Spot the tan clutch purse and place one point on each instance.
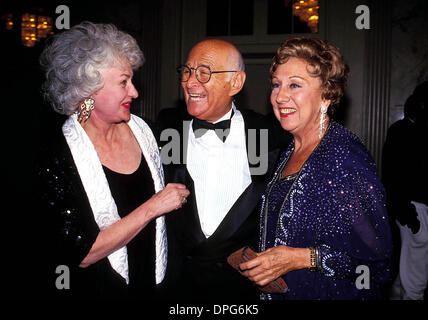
(245, 254)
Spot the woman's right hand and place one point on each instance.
(170, 198)
(275, 262)
(121, 232)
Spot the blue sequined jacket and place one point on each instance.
(336, 202)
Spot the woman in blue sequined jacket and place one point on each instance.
(324, 226)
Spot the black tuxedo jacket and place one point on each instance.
(197, 267)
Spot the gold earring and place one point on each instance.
(85, 109)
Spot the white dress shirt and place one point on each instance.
(219, 170)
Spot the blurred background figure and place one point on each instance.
(405, 176)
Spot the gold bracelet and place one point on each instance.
(313, 266)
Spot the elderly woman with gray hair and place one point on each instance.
(100, 179)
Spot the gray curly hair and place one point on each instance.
(73, 60)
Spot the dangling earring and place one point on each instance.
(322, 120)
(85, 109)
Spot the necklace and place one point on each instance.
(296, 177)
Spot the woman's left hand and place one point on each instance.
(275, 262)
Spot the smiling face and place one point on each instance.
(113, 100)
(210, 101)
(296, 97)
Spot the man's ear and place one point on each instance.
(237, 82)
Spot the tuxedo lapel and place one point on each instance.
(188, 218)
(239, 212)
(245, 204)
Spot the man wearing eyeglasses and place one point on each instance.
(221, 214)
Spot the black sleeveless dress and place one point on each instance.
(129, 191)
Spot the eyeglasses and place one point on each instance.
(203, 73)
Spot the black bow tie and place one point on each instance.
(221, 128)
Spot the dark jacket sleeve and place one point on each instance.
(399, 152)
(66, 219)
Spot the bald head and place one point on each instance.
(212, 99)
(223, 50)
